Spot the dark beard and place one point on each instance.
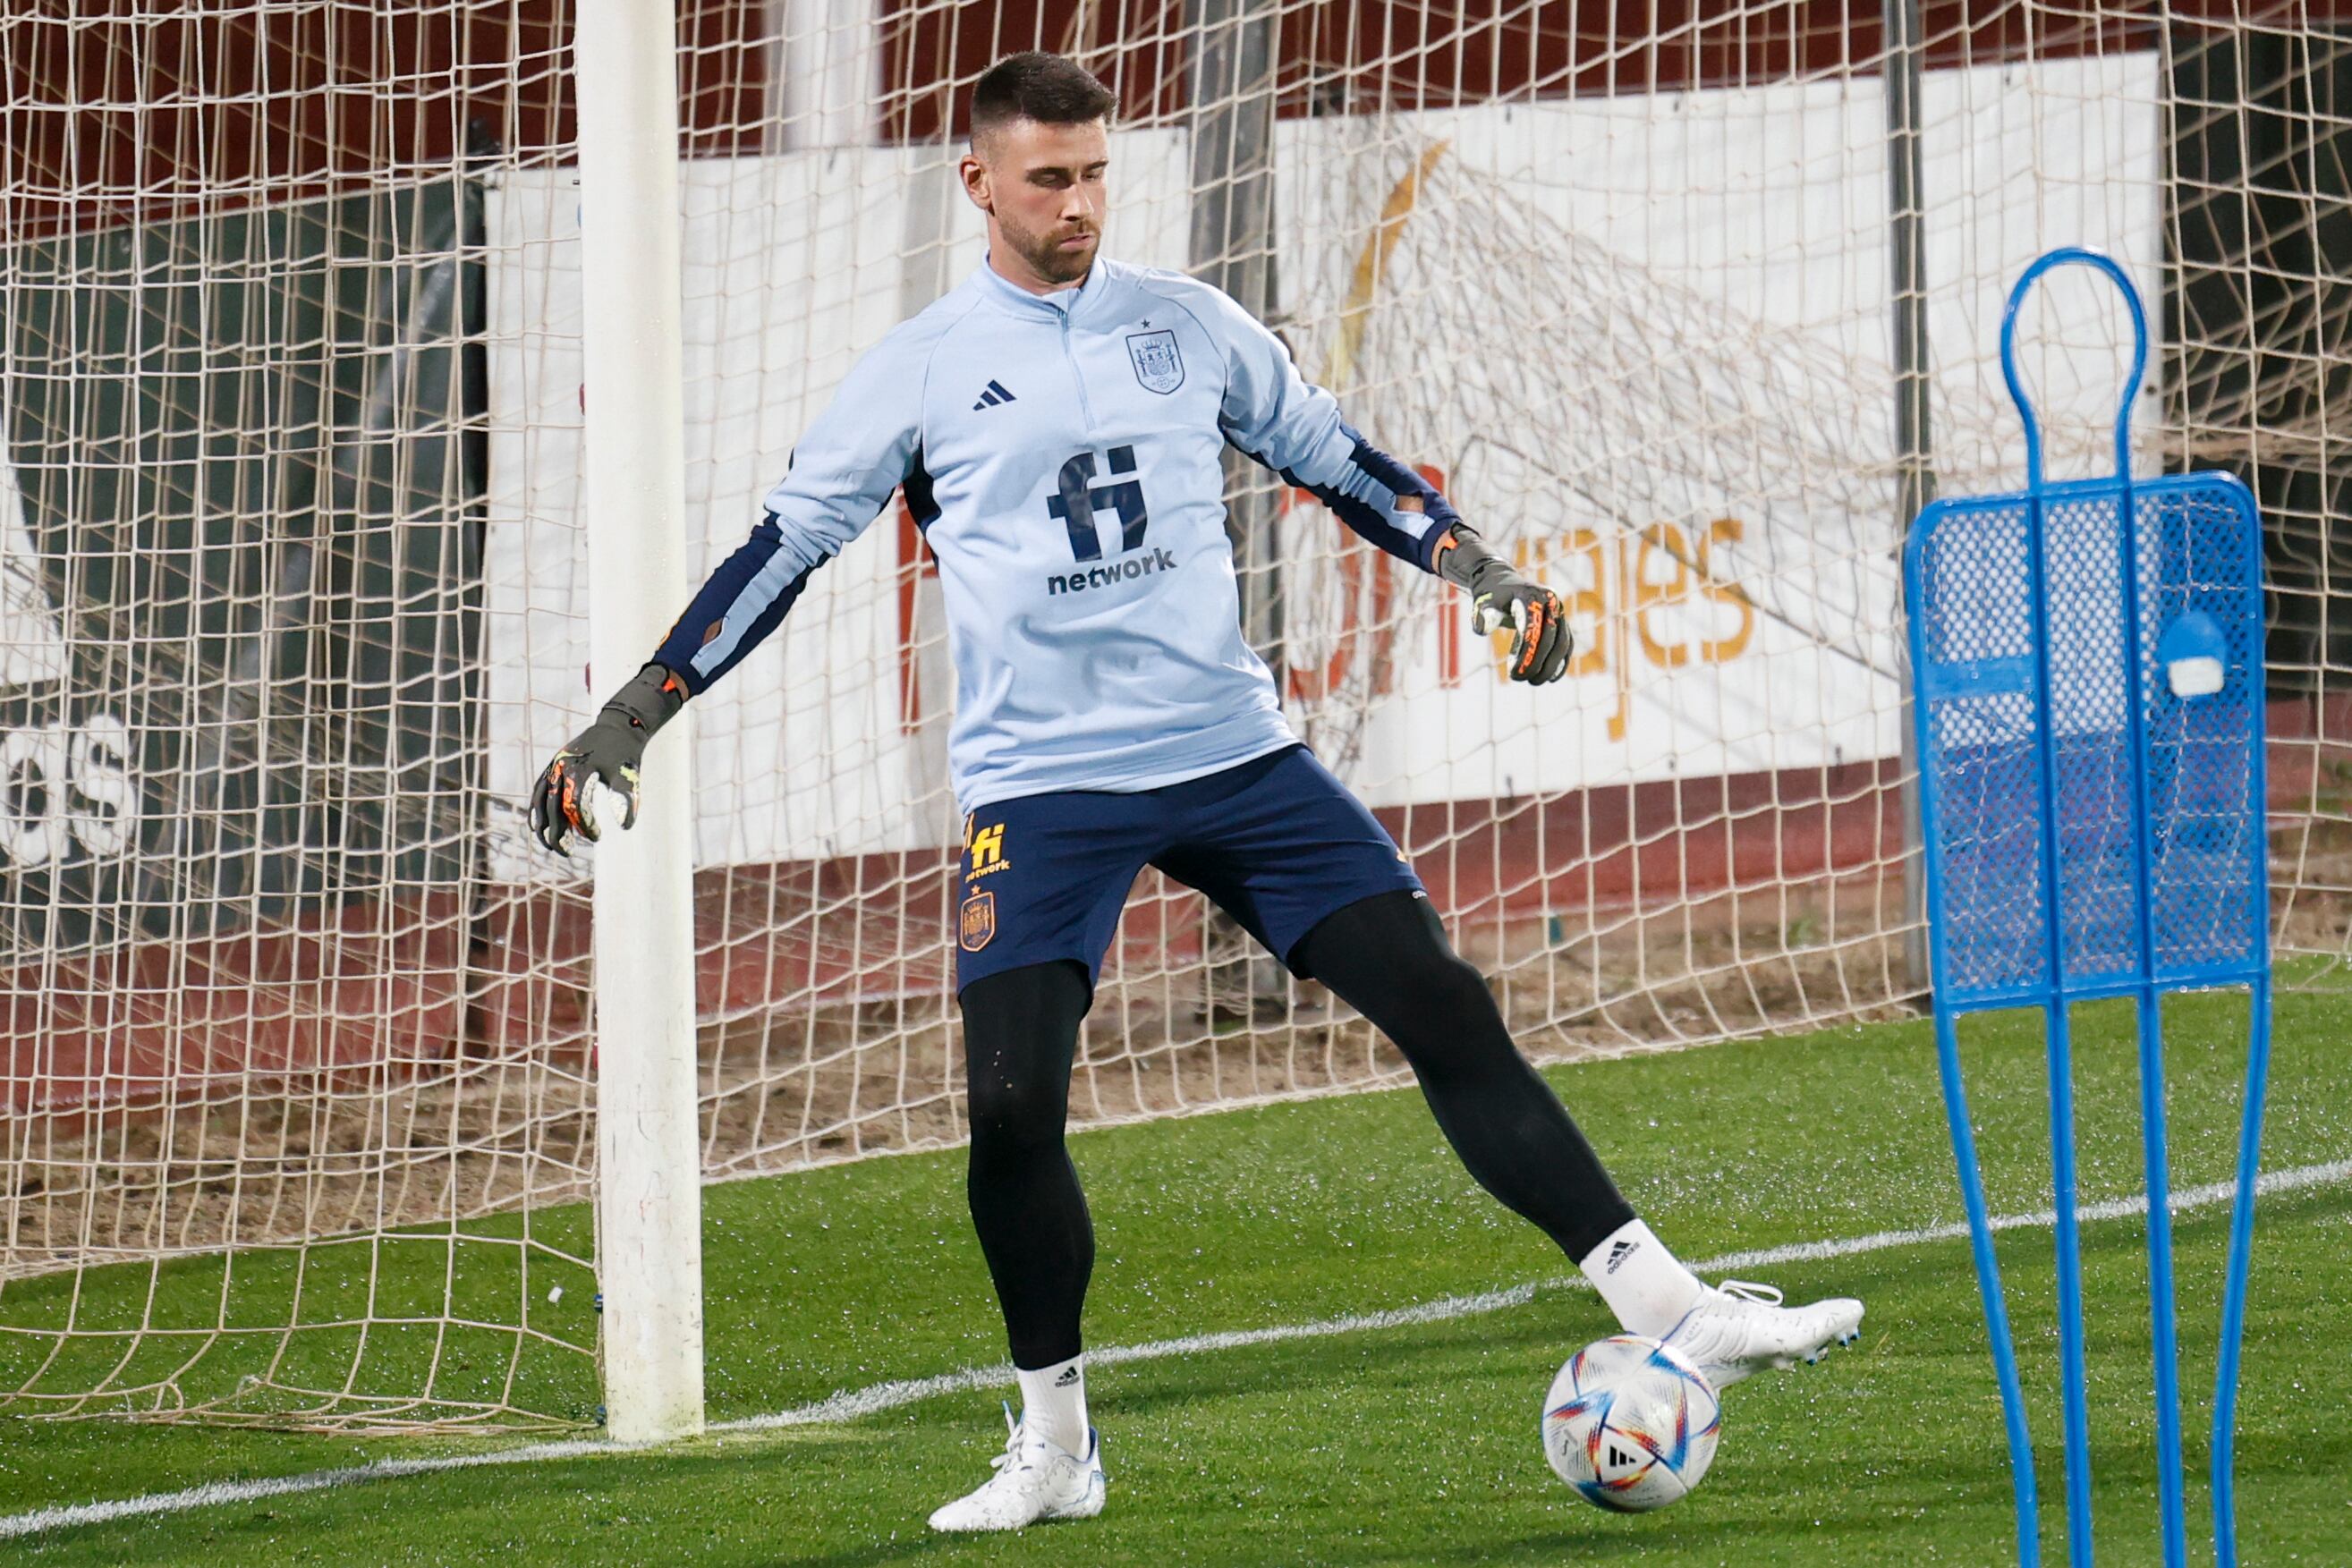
(1046, 259)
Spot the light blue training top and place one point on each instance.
(1063, 456)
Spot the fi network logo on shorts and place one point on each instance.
(987, 847)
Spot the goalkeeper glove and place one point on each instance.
(1499, 596)
(608, 753)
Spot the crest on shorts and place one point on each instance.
(1158, 365)
(978, 923)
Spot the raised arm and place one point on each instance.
(1294, 428)
(859, 449)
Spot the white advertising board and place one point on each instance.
(1732, 577)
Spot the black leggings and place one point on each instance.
(1020, 1036)
(1386, 956)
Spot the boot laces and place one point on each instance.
(1015, 1455)
(1749, 1291)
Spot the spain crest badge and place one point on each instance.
(978, 922)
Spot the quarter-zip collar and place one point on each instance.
(1059, 305)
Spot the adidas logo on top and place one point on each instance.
(994, 394)
(1620, 1251)
(1069, 1375)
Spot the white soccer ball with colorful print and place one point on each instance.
(1631, 1424)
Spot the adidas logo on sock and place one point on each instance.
(1619, 1251)
(994, 394)
(1069, 1375)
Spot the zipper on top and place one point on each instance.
(1085, 408)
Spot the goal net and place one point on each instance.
(297, 1101)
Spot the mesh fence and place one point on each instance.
(296, 1098)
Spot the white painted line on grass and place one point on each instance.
(214, 1492)
(850, 1404)
(2205, 1197)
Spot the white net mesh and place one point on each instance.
(292, 581)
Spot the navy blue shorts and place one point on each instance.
(1276, 843)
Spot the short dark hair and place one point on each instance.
(1035, 85)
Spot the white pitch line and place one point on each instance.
(850, 1404)
(2205, 1197)
(211, 1492)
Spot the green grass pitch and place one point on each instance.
(1415, 1443)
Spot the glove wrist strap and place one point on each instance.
(1467, 562)
(648, 701)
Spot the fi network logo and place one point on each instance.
(987, 847)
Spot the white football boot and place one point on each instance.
(1737, 1329)
(1035, 1481)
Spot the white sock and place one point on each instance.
(1053, 1403)
(1645, 1285)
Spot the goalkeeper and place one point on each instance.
(1058, 423)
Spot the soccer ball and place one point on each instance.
(1631, 1424)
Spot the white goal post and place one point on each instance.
(648, 1149)
(376, 384)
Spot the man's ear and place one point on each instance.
(978, 187)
